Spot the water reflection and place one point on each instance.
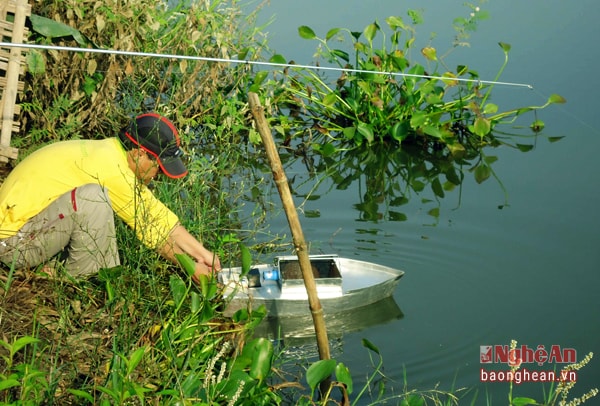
(299, 331)
(388, 177)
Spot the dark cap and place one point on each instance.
(158, 137)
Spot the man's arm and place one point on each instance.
(180, 241)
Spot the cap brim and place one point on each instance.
(173, 167)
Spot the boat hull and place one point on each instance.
(358, 284)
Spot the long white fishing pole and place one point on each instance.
(240, 61)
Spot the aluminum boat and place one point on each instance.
(342, 284)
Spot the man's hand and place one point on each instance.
(181, 241)
(204, 267)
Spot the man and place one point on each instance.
(62, 197)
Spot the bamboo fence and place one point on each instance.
(13, 14)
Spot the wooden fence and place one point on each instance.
(13, 14)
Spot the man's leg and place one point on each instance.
(93, 243)
(80, 221)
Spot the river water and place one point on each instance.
(480, 275)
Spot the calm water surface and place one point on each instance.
(480, 275)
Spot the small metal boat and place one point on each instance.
(342, 284)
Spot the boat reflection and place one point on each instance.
(292, 331)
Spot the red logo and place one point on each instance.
(485, 354)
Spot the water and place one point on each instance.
(479, 275)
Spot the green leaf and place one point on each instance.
(482, 172)
(367, 344)
(328, 149)
(413, 400)
(418, 119)
(9, 383)
(331, 33)
(50, 28)
(461, 70)
(260, 77)
(22, 342)
(490, 159)
(429, 53)
(110, 274)
(35, 62)
(452, 176)
(524, 147)
(187, 263)
(319, 371)
(242, 54)
(490, 108)
(354, 105)
(371, 31)
(416, 16)
(246, 258)
(505, 47)
(523, 401)
(482, 126)
(449, 186)
(417, 185)
(211, 289)
(306, 32)
(54, 29)
(436, 186)
(81, 394)
(397, 216)
(435, 212)
(399, 130)
(342, 374)
(366, 131)
(456, 149)
(449, 79)
(330, 99)
(203, 282)
(349, 132)
(194, 301)
(254, 137)
(277, 58)
(135, 359)
(340, 54)
(178, 289)
(262, 358)
(433, 131)
(89, 85)
(556, 98)
(395, 22)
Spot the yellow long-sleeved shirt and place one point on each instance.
(58, 168)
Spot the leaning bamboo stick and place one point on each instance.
(292, 216)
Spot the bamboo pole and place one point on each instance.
(292, 216)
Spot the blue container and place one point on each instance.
(271, 275)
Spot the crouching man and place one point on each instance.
(62, 199)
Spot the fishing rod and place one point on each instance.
(247, 62)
